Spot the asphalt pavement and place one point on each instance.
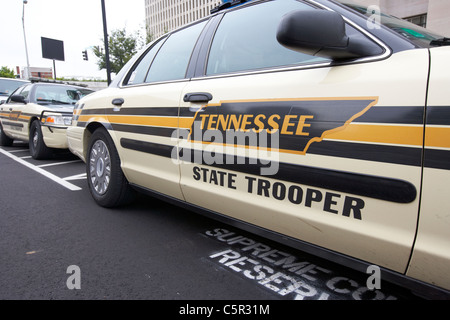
(57, 244)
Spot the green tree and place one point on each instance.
(122, 47)
(5, 72)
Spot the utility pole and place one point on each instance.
(105, 35)
(25, 39)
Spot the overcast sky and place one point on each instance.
(78, 23)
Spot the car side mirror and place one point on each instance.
(18, 98)
(322, 33)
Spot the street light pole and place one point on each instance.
(105, 34)
(25, 39)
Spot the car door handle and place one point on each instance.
(197, 97)
(118, 102)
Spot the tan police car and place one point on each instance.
(39, 113)
(314, 123)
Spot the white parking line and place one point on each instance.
(76, 177)
(20, 150)
(46, 174)
(57, 163)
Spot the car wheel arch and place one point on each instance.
(88, 132)
(32, 119)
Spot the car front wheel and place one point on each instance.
(107, 183)
(38, 149)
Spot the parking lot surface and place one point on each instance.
(58, 244)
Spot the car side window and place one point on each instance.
(139, 72)
(25, 91)
(173, 58)
(246, 40)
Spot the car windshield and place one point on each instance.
(7, 86)
(57, 95)
(414, 33)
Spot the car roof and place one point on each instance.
(57, 84)
(14, 79)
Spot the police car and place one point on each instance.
(39, 113)
(320, 124)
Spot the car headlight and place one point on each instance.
(57, 120)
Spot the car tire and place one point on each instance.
(106, 181)
(5, 141)
(38, 149)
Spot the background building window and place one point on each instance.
(166, 15)
(420, 20)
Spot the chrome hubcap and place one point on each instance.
(100, 167)
(35, 138)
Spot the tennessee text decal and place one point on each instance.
(14, 115)
(298, 122)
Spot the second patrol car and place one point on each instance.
(312, 122)
(39, 113)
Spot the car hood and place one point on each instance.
(59, 108)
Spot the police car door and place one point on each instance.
(16, 122)
(144, 114)
(326, 154)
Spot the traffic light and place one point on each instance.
(85, 56)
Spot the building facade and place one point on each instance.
(35, 72)
(162, 16)
(431, 14)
